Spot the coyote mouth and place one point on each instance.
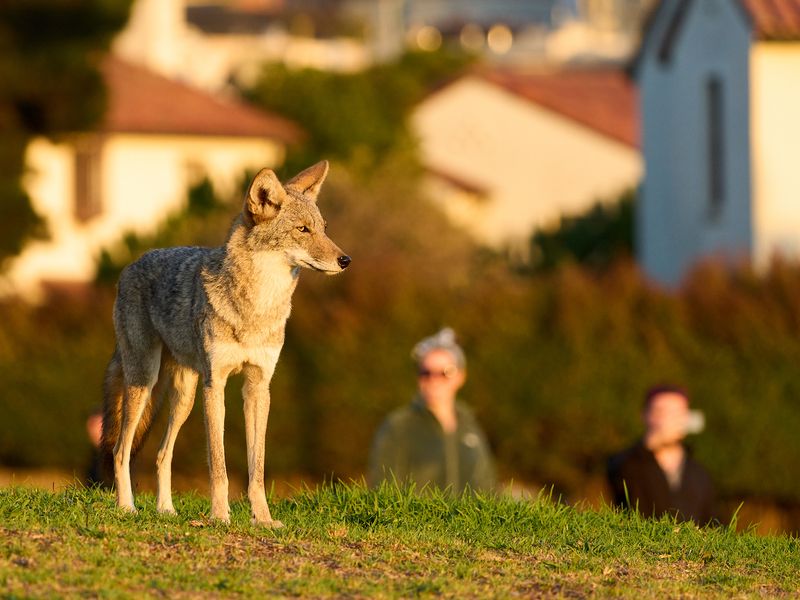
(320, 268)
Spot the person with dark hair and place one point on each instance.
(657, 475)
(435, 440)
(97, 473)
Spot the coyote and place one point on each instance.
(188, 313)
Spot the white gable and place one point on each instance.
(532, 164)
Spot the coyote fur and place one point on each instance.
(183, 314)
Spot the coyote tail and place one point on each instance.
(113, 392)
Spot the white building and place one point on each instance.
(510, 152)
(719, 84)
(208, 44)
(158, 138)
(601, 31)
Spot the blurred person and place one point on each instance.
(435, 440)
(657, 475)
(96, 471)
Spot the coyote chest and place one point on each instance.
(271, 285)
(258, 332)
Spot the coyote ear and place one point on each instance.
(265, 197)
(309, 182)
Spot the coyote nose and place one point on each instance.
(343, 261)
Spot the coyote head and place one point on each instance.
(285, 218)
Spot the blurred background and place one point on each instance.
(597, 195)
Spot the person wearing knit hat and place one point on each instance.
(435, 440)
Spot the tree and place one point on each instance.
(595, 238)
(49, 84)
(356, 118)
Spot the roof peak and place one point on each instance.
(142, 101)
(603, 99)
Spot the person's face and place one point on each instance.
(438, 376)
(94, 428)
(666, 418)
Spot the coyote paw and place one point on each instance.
(270, 523)
(221, 516)
(167, 510)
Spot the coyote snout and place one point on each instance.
(184, 315)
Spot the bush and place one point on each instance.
(596, 238)
(358, 118)
(558, 361)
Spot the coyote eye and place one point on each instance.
(303, 229)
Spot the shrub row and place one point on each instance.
(558, 361)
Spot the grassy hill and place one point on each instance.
(347, 541)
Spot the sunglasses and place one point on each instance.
(446, 373)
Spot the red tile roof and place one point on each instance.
(775, 19)
(141, 101)
(604, 99)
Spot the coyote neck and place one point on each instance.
(251, 288)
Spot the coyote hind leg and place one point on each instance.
(137, 395)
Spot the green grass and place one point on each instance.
(347, 541)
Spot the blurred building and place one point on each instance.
(157, 138)
(509, 151)
(526, 32)
(210, 43)
(507, 30)
(719, 85)
(598, 31)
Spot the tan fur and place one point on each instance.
(189, 314)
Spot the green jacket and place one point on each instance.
(411, 445)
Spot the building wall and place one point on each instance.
(154, 36)
(775, 97)
(158, 37)
(675, 225)
(168, 166)
(143, 179)
(211, 61)
(534, 164)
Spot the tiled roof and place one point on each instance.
(774, 19)
(143, 102)
(604, 99)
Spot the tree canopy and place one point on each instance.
(49, 84)
(357, 118)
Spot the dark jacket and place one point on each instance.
(637, 481)
(411, 445)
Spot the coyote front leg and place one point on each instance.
(256, 414)
(214, 404)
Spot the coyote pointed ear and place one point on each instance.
(265, 197)
(309, 182)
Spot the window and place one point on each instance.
(715, 146)
(88, 202)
